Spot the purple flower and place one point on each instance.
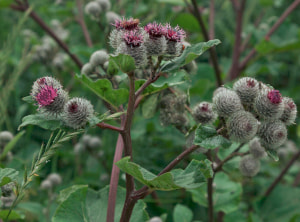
(46, 95)
(154, 30)
(174, 34)
(274, 96)
(133, 38)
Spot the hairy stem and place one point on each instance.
(280, 20)
(212, 51)
(283, 172)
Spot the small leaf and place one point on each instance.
(41, 121)
(124, 62)
(192, 177)
(149, 106)
(273, 154)
(188, 55)
(28, 99)
(207, 137)
(11, 144)
(7, 175)
(103, 88)
(182, 213)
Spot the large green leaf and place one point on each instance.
(41, 121)
(182, 213)
(207, 137)
(78, 203)
(7, 175)
(192, 177)
(11, 144)
(226, 196)
(281, 205)
(188, 55)
(103, 88)
(162, 83)
(124, 62)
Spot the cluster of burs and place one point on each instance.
(54, 103)
(254, 113)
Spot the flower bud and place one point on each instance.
(289, 112)
(255, 148)
(268, 104)
(104, 4)
(204, 113)
(54, 178)
(219, 89)
(249, 166)
(247, 89)
(7, 189)
(93, 9)
(156, 42)
(99, 58)
(46, 185)
(272, 133)
(227, 102)
(95, 142)
(49, 95)
(174, 37)
(242, 126)
(5, 137)
(77, 112)
(111, 17)
(87, 69)
(105, 65)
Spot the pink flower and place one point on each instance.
(154, 30)
(133, 39)
(46, 95)
(274, 96)
(174, 34)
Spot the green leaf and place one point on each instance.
(14, 215)
(7, 175)
(226, 196)
(186, 21)
(162, 83)
(192, 177)
(72, 208)
(97, 202)
(281, 205)
(207, 137)
(182, 213)
(28, 99)
(124, 62)
(265, 47)
(11, 144)
(149, 106)
(78, 203)
(273, 154)
(188, 55)
(41, 121)
(103, 88)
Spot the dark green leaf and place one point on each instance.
(7, 175)
(273, 154)
(188, 55)
(11, 144)
(193, 176)
(182, 213)
(41, 121)
(207, 137)
(226, 196)
(103, 88)
(149, 106)
(124, 62)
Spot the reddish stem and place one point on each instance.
(80, 20)
(108, 126)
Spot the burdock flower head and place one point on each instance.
(127, 24)
(156, 42)
(77, 112)
(133, 45)
(174, 37)
(49, 95)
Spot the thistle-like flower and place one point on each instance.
(156, 42)
(49, 95)
(77, 112)
(227, 102)
(272, 133)
(174, 37)
(130, 24)
(204, 113)
(247, 88)
(289, 112)
(255, 148)
(268, 104)
(249, 166)
(242, 126)
(133, 45)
